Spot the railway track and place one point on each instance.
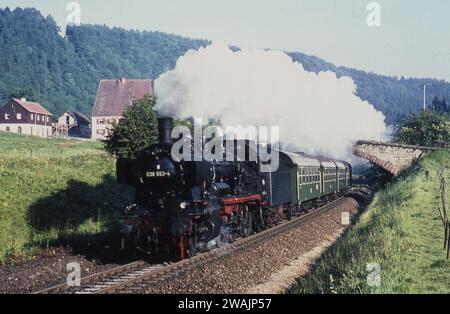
(130, 277)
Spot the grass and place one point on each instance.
(54, 191)
(401, 230)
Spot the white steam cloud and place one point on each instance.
(316, 113)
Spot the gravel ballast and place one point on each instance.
(246, 270)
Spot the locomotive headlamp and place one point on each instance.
(184, 205)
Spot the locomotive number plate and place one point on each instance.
(157, 174)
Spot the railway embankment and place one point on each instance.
(396, 246)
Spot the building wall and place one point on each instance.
(63, 119)
(101, 126)
(13, 110)
(27, 129)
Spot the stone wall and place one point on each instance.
(394, 158)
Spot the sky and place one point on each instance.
(411, 39)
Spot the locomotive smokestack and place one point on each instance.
(165, 126)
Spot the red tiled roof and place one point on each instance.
(32, 107)
(113, 96)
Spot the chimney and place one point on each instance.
(23, 99)
(165, 126)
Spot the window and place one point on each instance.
(32, 116)
(19, 130)
(19, 116)
(38, 117)
(7, 129)
(7, 116)
(48, 119)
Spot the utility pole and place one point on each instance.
(424, 85)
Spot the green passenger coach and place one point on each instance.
(308, 177)
(302, 180)
(328, 176)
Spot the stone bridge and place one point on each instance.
(395, 158)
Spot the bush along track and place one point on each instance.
(396, 245)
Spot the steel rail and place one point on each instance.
(94, 278)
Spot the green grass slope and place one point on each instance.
(53, 191)
(401, 230)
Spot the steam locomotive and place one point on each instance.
(184, 207)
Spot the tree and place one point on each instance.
(23, 93)
(137, 129)
(424, 128)
(439, 106)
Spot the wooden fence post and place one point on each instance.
(443, 213)
(448, 240)
(446, 236)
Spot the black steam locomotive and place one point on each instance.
(182, 207)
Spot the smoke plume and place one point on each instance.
(316, 113)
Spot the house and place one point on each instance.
(73, 124)
(25, 117)
(113, 97)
